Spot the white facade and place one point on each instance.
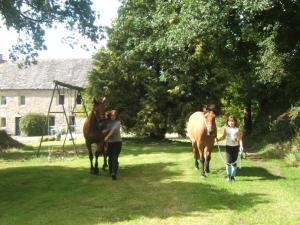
(18, 103)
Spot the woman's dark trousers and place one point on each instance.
(114, 149)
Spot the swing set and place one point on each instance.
(61, 89)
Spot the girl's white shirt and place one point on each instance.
(232, 136)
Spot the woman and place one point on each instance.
(114, 143)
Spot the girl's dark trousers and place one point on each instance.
(232, 153)
(114, 149)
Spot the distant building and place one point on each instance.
(30, 90)
(1, 59)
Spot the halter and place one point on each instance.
(241, 158)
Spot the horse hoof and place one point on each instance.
(207, 171)
(196, 168)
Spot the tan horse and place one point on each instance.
(202, 130)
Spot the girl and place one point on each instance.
(233, 144)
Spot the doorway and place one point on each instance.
(18, 130)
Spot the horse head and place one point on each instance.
(210, 122)
(99, 108)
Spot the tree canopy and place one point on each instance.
(167, 58)
(30, 18)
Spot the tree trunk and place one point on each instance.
(157, 136)
(247, 118)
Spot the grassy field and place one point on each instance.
(157, 184)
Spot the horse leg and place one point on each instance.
(196, 155)
(104, 156)
(89, 147)
(97, 153)
(203, 162)
(207, 160)
(202, 158)
(196, 164)
(104, 162)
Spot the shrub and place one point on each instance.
(292, 158)
(286, 126)
(33, 124)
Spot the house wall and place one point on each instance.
(38, 101)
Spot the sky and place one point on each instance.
(56, 49)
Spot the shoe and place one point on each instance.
(113, 176)
(228, 179)
(232, 178)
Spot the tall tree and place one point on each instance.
(31, 18)
(172, 83)
(186, 53)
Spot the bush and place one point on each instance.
(292, 158)
(34, 124)
(8, 142)
(286, 126)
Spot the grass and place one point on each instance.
(157, 184)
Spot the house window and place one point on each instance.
(51, 121)
(22, 100)
(2, 122)
(78, 100)
(61, 100)
(3, 100)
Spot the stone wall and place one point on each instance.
(38, 101)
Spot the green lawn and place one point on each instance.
(157, 184)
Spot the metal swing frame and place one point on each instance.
(57, 87)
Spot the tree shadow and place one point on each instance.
(257, 173)
(14, 154)
(145, 190)
(131, 146)
(30, 152)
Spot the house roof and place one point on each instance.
(41, 75)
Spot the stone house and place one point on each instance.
(30, 90)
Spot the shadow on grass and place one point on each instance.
(259, 172)
(131, 146)
(254, 173)
(29, 152)
(61, 195)
(13, 154)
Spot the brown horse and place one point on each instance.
(93, 133)
(201, 129)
